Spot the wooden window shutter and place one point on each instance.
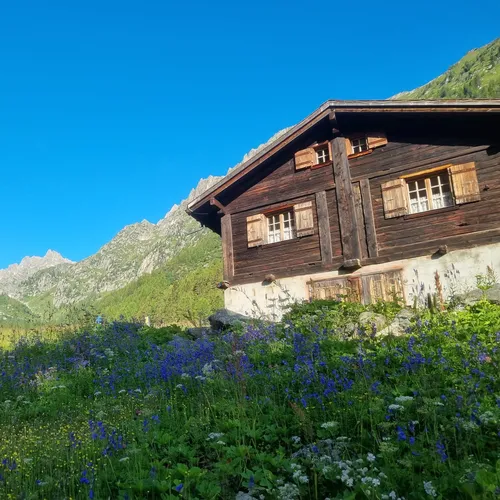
(395, 197)
(381, 287)
(304, 219)
(256, 230)
(305, 158)
(376, 140)
(344, 289)
(348, 146)
(464, 183)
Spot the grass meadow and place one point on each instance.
(296, 410)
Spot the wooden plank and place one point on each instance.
(360, 218)
(281, 185)
(325, 237)
(349, 229)
(218, 204)
(227, 247)
(394, 165)
(371, 233)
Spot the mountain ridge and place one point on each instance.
(143, 255)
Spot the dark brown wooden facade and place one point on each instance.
(350, 226)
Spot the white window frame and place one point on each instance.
(325, 156)
(362, 144)
(276, 230)
(445, 197)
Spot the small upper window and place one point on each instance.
(430, 193)
(322, 155)
(359, 145)
(280, 227)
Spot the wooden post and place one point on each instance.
(227, 247)
(325, 237)
(371, 234)
(349, 227)
(360, 218)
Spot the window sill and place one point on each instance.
(358, 155)
(437, 211)
(279, 243)
(320, 165)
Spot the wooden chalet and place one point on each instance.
(364, 200)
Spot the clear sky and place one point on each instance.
(111, 111)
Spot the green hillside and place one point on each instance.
(184, 291)
(13, 312)
(476, 75)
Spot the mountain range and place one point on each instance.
(168, 270)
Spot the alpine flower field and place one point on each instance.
(297, 410)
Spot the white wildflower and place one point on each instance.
(487, 417)
(429, 489)
(179, 386)
(222, 443)
(438, 403)
(404, 399)
(97, 393)
(470, 426)
(207, 369)
(370, 457)
(296, 439)
(214, 435)
(396, 407)
(329, 425)
(185, 375)
(288, 491)
(137, 390)
(121, 391)
(241, 495)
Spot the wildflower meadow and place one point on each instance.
(294, 410)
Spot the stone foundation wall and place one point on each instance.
(457, 273)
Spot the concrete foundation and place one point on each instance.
(457, 271)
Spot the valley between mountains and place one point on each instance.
(169, 270)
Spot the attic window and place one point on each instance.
(322, 154)
(359, 145)
(313, 156)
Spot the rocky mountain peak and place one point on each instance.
(15, 274)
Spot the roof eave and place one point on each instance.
(342, 106)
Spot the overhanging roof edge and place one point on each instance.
(339, 105)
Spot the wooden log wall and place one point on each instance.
(420, 234)
(348, 193)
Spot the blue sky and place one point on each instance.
(112, 111)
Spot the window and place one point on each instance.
(280, 227)
(313, 156)
(430, 193)
(439, 187)
(322, 155)
(282, 224)
(359, 145)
